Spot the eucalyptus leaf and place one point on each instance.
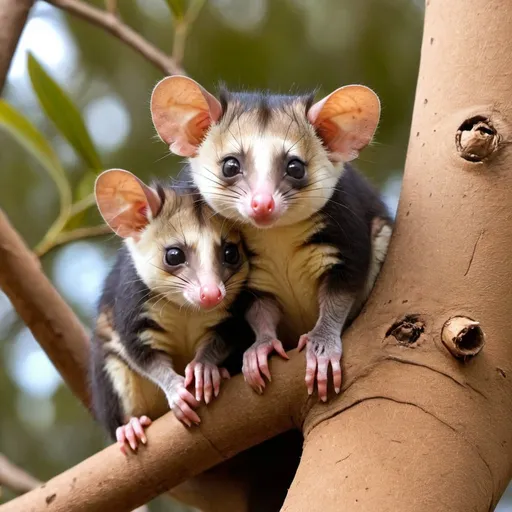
(177, 8)
(59, 107)
(34, 142)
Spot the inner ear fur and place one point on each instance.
(126, 204)
(182, 111)
(346, 120)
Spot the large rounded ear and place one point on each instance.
(346, 120)
(126, 204)
(182, 111)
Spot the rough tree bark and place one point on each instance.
(415, 428)
(423, 423)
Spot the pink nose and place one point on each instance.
(210, 295)
(262, 205)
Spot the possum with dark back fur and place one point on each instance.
(170, 309)
(278, 165)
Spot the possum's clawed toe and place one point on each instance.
(132, 433)
(322, 351)
(206, 378)
(255, 364)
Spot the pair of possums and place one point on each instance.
(269, 236)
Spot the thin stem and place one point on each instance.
(111, 6)
(182, 29)
(62, 219)
(180, 38)
(15, 478)
(71, 236)
(117, 28)
(82, 205)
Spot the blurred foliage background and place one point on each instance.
(282, 45)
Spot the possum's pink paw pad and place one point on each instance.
(132, 433)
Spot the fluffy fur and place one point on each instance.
(144, 320)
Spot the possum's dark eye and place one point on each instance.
(230, 167)
(296, 169)
(174, 256)
(231, 254)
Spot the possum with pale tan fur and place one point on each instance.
(166, 312)
(278, 165)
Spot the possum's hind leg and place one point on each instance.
(132, 433)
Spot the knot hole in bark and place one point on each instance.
(463, 337)
(476, 139)
(407, 330)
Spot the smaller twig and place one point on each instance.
(116, 27)
(182, 29)
(111, 6)
(179, 41)
(15, 478)
(82, 205)
(56, 236)
(71, 236)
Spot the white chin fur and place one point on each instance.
(189, 301)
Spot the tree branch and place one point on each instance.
(237, 420)
(182, 28)
(116, 27)
(15, 478)
(13, 16)
(51, 320)
(19, 481)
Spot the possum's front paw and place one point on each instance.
(206, 378)
(256, 361)
(322, 349)
(182, 402)
(133, 432)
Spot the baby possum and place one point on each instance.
(279, 166)
(165, 309)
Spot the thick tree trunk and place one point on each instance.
(417, 429)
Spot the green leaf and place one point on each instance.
(59, 107)
(177, 8)
(35, 143)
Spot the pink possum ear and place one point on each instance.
(126, 204)
(182, 111)
(346, 120)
